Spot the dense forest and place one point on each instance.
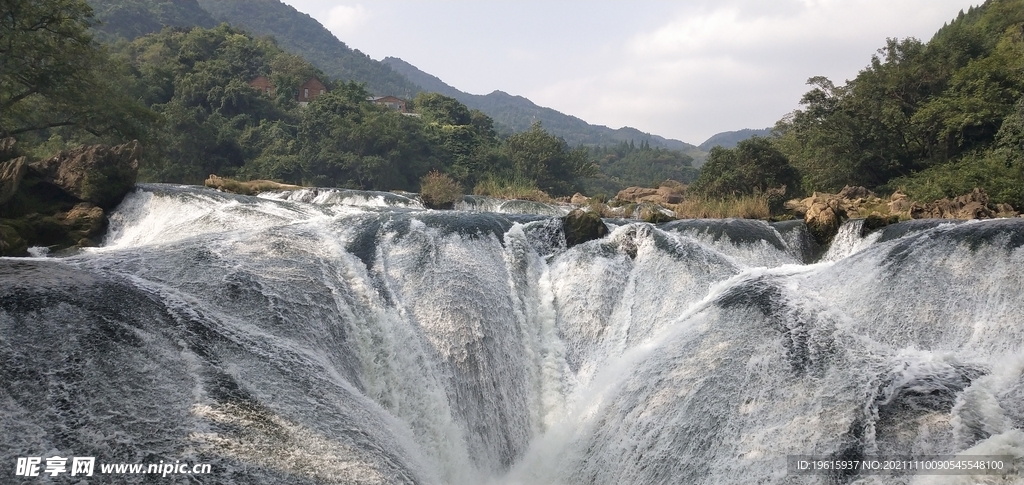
(187, 94)
(628, 164)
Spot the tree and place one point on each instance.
(546, 159)
(755, 165)
(54, 76)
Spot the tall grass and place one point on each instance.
(740, 206)
(511, 188)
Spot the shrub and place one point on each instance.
(514, 188)
(439, 191)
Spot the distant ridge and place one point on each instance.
(729, 139)
(301, 34)
(516, 113)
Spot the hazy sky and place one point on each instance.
(679, 69)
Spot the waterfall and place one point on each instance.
(328, 336)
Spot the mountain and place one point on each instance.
(301, 34)
(729, 139)
(134, 18)
(517, 113)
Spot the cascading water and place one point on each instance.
(346, 337)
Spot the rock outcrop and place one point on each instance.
(824, 213)
(823, 217)
(98, 174)
(579, 199)
(668, 192)
(60, 202)
(11, 173)
(974, 205)
(581, 226)
(251, 187)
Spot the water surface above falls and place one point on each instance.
(353, 337)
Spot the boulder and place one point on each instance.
(11, 173)
(875, 222)
(581, 226)
(823, 218)
(654, 214)
(98, 174)
(59, 202)
(11, 242)
(634, 194)
(854, 193)
(85, 224)
(969, 206)
(899, 202)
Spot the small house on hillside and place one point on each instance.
(261, 83)
(310, 90)
(307, 92)
(390, 102)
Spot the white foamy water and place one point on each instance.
(343, 337)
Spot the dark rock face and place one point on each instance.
(582, 226)
(875, 222)
(60, 202)
(98, 174)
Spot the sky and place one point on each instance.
(680, 69)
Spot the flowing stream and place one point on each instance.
(349, 337)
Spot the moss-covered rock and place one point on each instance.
(581, 226)
(654, 214)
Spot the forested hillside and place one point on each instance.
(936, 119)
(303, 35)
(189, 96)
(729, 139)
(300, 34)
(133, 18)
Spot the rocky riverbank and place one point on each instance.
(61, 202)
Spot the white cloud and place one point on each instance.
(737, 64)
(344, 19)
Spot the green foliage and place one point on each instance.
(627, 164)
(130, 19)
(54, 77)
(754, 166)
(345, 142)
(924, 115)
(439, 191)
(538, 155)
(302, 35)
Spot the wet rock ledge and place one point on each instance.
(62, 201)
